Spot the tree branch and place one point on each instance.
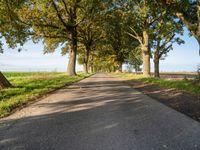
(165, 50)
(189, 25)
(59, 15)
(136, 36)
(65, 5)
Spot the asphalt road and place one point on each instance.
(99, 113)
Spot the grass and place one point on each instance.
(182, 85)
(30, 86)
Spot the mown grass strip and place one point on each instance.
(30, 86)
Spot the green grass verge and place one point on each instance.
(182, 85)
(29, 86)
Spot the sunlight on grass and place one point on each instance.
(183, 85)
(129, 76)
(29, 86)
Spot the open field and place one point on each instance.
(175, 75)
(30, 86)
(178, 75)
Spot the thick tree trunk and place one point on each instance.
(156, 68)
(146, 54)
(71, 68)
(4, 83)
(156, 64)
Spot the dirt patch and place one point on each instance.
(181, 101)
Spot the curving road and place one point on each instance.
(98, 113)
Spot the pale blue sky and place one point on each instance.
(183, 58)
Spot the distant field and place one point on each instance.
(29, 86)
(176, 75)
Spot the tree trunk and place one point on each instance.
(85, 67)
(119, 67)
(146, 54)
(87, 54)
(90, 69)
(156, 67)
(71, 68)
(4, 83)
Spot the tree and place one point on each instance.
(103, 59)
(4, 83)
(134, 59)
(115, 36)
(188, 11)
(90, 33)
(112, 51)
(162, 47)
(36, 16)
(165, 34)
(13, 33)
(143, 15)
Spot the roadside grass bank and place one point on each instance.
(182, 85)
(181, 95)
(28, 87)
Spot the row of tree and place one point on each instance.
(131, 29)
(104, 34)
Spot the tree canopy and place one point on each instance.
(104, 34)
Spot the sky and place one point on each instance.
(183, 57)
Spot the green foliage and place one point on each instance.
(134, 59)
(114, 48)
(100, 29)
(188, 11)
(11, 29)
(115, 36)
(89, 32)
(165, 32)
(29, 86)
(54, 22)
